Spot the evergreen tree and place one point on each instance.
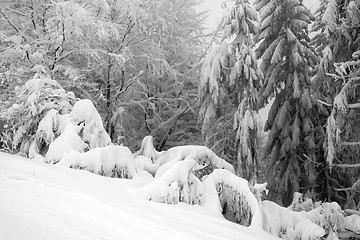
(287, 58)
(32, 121)
(228, 90)
(337, 41)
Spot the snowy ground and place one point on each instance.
(41, 201)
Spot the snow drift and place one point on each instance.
(40, 201)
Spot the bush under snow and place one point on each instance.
(110, 161)
(178, 184)
(221, 191)
(80, 130)
(285, 223)
(93, 133)
(201, 154)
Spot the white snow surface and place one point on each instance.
(44, 201)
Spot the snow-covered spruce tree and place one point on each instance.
(230, 80)
(33, 102)
(46, 120)
(336, 81)
(287, 57)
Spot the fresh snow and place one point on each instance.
(44, 201)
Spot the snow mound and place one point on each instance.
(352, 223)
(178, 184)
(157, 163)
(329, 216)
(201, 154)
(235, 198)
(69, 140)
(285, 223)
(110, 161)
(94, 133)
(146, 164)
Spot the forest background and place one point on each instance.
(151, 68)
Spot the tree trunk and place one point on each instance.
(109, 127)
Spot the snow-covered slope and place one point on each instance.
(41, 201)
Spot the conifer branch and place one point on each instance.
(354, 105)
(350, 143)
(356, 165)
(322, 102)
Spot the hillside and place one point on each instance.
(41, 201)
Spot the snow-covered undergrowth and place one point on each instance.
(110, 161)
(201, 154)
(157, 163)
(40, 201)
(178, 184)
(285, 223)
(235, 197)
(175, 181)
(304, 219)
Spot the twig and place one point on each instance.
(322, 102)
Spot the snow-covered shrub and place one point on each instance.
(285, 223)
(93, 133)
(300, 204)
(80, 130)
(157, 163)
(329, 216)
(177, 184)
(221, 191)
(202, 155)
(235, 198)
(110, 161)
(39, 98)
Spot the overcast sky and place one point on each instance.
(214, 6)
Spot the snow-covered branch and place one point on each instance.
(355, 165)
